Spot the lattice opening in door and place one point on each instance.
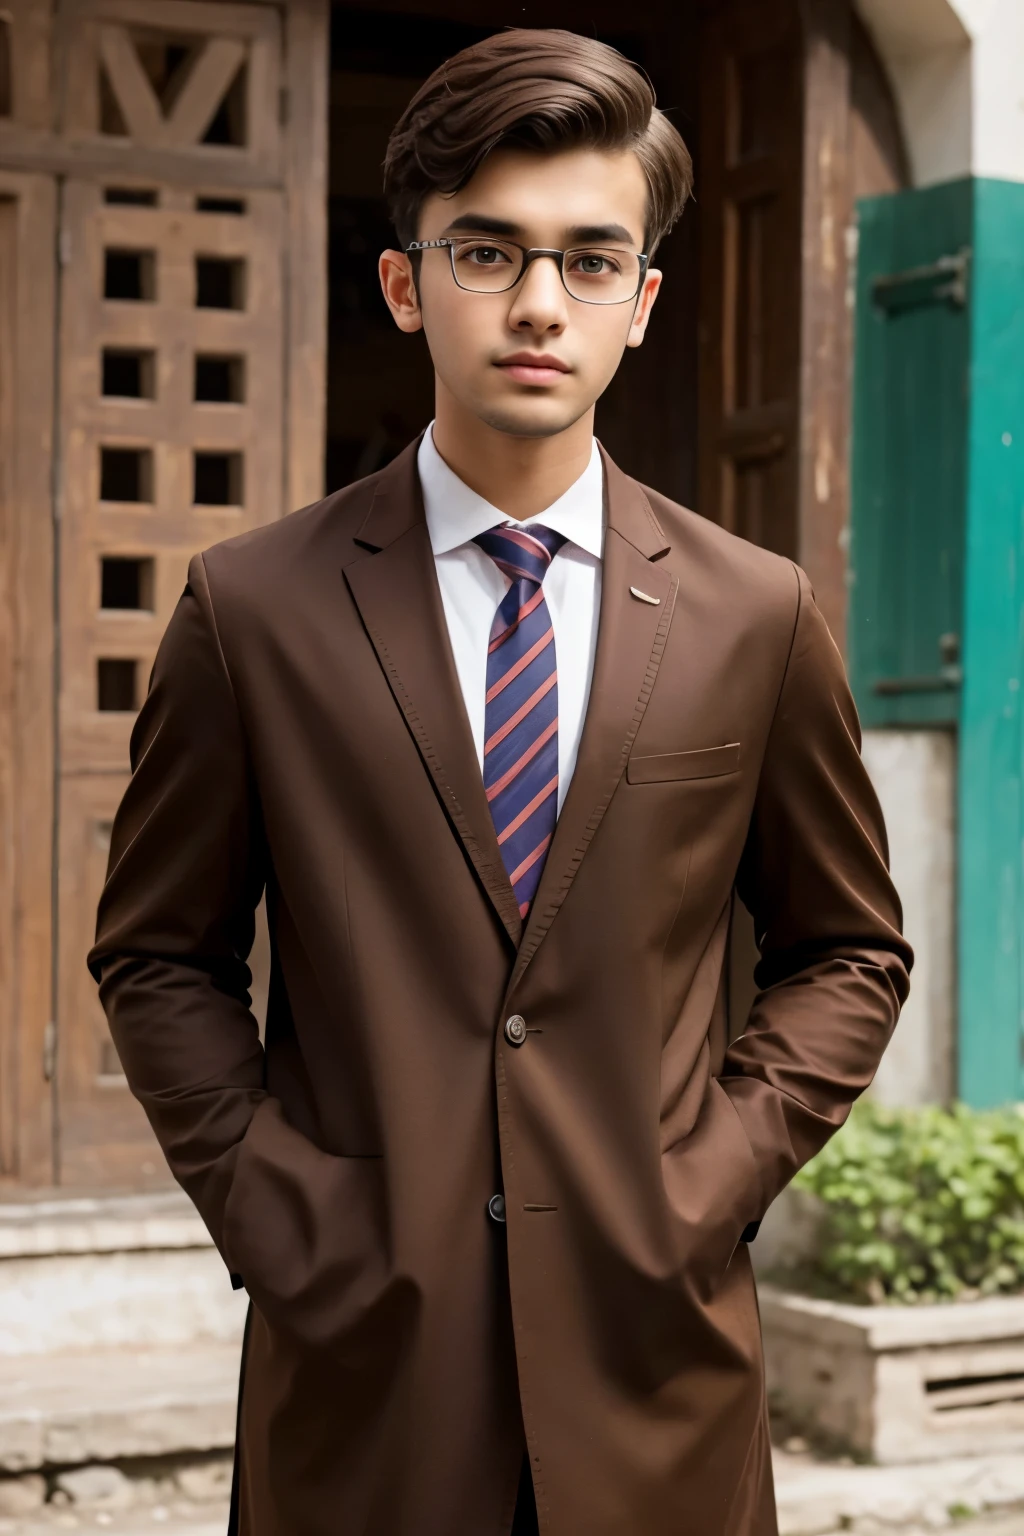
(130, 275)
(6, 80)
(126, 583)
(117, 685)
(129, 373)
(126, 474)
(220, 380)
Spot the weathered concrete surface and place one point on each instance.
(815, 1499)
(113, 1404)
(819, 1499)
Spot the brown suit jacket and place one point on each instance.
(304, 731)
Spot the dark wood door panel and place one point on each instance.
(749, 193)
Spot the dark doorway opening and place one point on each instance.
(380, 382)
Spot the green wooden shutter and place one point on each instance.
(909, 467)
(990, 951)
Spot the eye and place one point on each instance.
(484, 255)
(594, 264)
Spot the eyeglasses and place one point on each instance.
(592, 274)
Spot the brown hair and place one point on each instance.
(545, 90)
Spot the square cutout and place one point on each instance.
(218, 480)
(234, 205)
(220, 380)
(126, 474)
(6, 70)
(220, 282)
(126, 583)
(131, 197)
(129, 276)
(116, 684)
(129, 373)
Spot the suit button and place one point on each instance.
(515, 1029)
(496, 1209)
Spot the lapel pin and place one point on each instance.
(645, 597)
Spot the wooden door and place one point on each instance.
(174, 433)
(749, 192)
(774, 193)
(910, 476)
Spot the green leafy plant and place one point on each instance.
(921, 1204)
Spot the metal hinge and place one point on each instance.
(943, 281)
(49, 1050)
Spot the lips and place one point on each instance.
(538, 368)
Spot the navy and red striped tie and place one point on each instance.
(521, 717)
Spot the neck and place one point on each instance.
(521, 476)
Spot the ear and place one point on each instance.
(644, 305)
(399, 288)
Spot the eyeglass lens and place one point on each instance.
(596, 275)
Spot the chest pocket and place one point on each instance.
(705, 763)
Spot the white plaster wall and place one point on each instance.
(957, 71)
(926, 49)
(914, 774)
(999, 91)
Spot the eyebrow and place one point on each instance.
(579, 234)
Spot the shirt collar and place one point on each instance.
(455, 514)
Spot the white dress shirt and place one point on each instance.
(472, 586)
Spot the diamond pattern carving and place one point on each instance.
(213, 70)
(183, 81)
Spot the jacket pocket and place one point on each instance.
(706, 763)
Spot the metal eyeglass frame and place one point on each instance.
(449, 242)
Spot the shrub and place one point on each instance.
(921, 1204)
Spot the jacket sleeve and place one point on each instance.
(174, 930)
(834, 969)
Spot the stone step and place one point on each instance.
(111, 1271)
(159, 1522)
(114, 1404)
(41, 1226)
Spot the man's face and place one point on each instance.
(532, 360)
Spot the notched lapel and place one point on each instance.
(630, 644)
(394, 586)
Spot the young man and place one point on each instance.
(501, 732)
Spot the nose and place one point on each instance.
(540, 301)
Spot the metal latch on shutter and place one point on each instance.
(943, 281)
(950, 673)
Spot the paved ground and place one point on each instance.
(817, 1498)
(981, 1496)
(159, 1521)
(213, 1523)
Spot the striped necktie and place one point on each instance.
(521, 716)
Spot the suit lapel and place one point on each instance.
(631, 641)
(394, 586)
